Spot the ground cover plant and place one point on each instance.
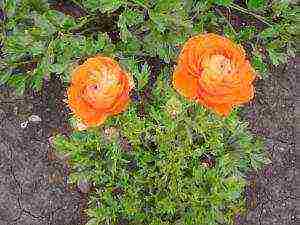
(165, 160)
(50, 37)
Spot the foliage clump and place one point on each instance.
(41, 38)
(177, 164)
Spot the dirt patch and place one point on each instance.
(271, 196)
(33, 189)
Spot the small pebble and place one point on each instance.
(24, 124)
(34, 119)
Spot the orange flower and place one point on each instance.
(99, 88)
(213, 71)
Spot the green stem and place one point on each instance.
(241, 9)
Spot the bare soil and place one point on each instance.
(271, 195)
(33, 186)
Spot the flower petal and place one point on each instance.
(185, 83)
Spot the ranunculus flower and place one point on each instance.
(99, 88)
(213, 71)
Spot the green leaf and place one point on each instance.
(38, 75)
(37, 48)
(10, 7)
(4, 77)
(20, 89)
(223, 2)
(160, 21)
(58, 68)
(19, 82)
(271, 32)
(131, 47)
(143, 76)
(122, 24)
(229, 32)
(103, 5)
(256, 4)
(38, 5)
(276, 57)
(44, 24)
(259, 65)
(246, 33)
(60, 20)
(132, 17)
(102, 42)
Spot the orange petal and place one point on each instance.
(185, 83)
(244, 95)
(223, 110)
(95, 120)
(121, 104)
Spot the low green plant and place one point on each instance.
(176, 164)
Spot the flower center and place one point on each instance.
(103, 91)
(218, 65)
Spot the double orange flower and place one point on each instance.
(214, 71)
(211, 70)
(99, 88)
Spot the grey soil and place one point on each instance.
(271, 195)
(33, 189)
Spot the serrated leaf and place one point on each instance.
(20, 89)
(44, 24)
(133, 17)
(38, 76)
(160, 21)
(37, 48)
(223, 2)
(58, 68)
(131, 47)
(4, 77)
(38, 5)
(10, 7)
(259, 65)
(276, 57)
(228, 32)
(103, 5)
(164, 52)
(122, 24)
(270, 32)
(256, 4)
(246, 33)
(143, 76)
(60, 20)
(19, 82)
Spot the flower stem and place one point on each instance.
(241, 9)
